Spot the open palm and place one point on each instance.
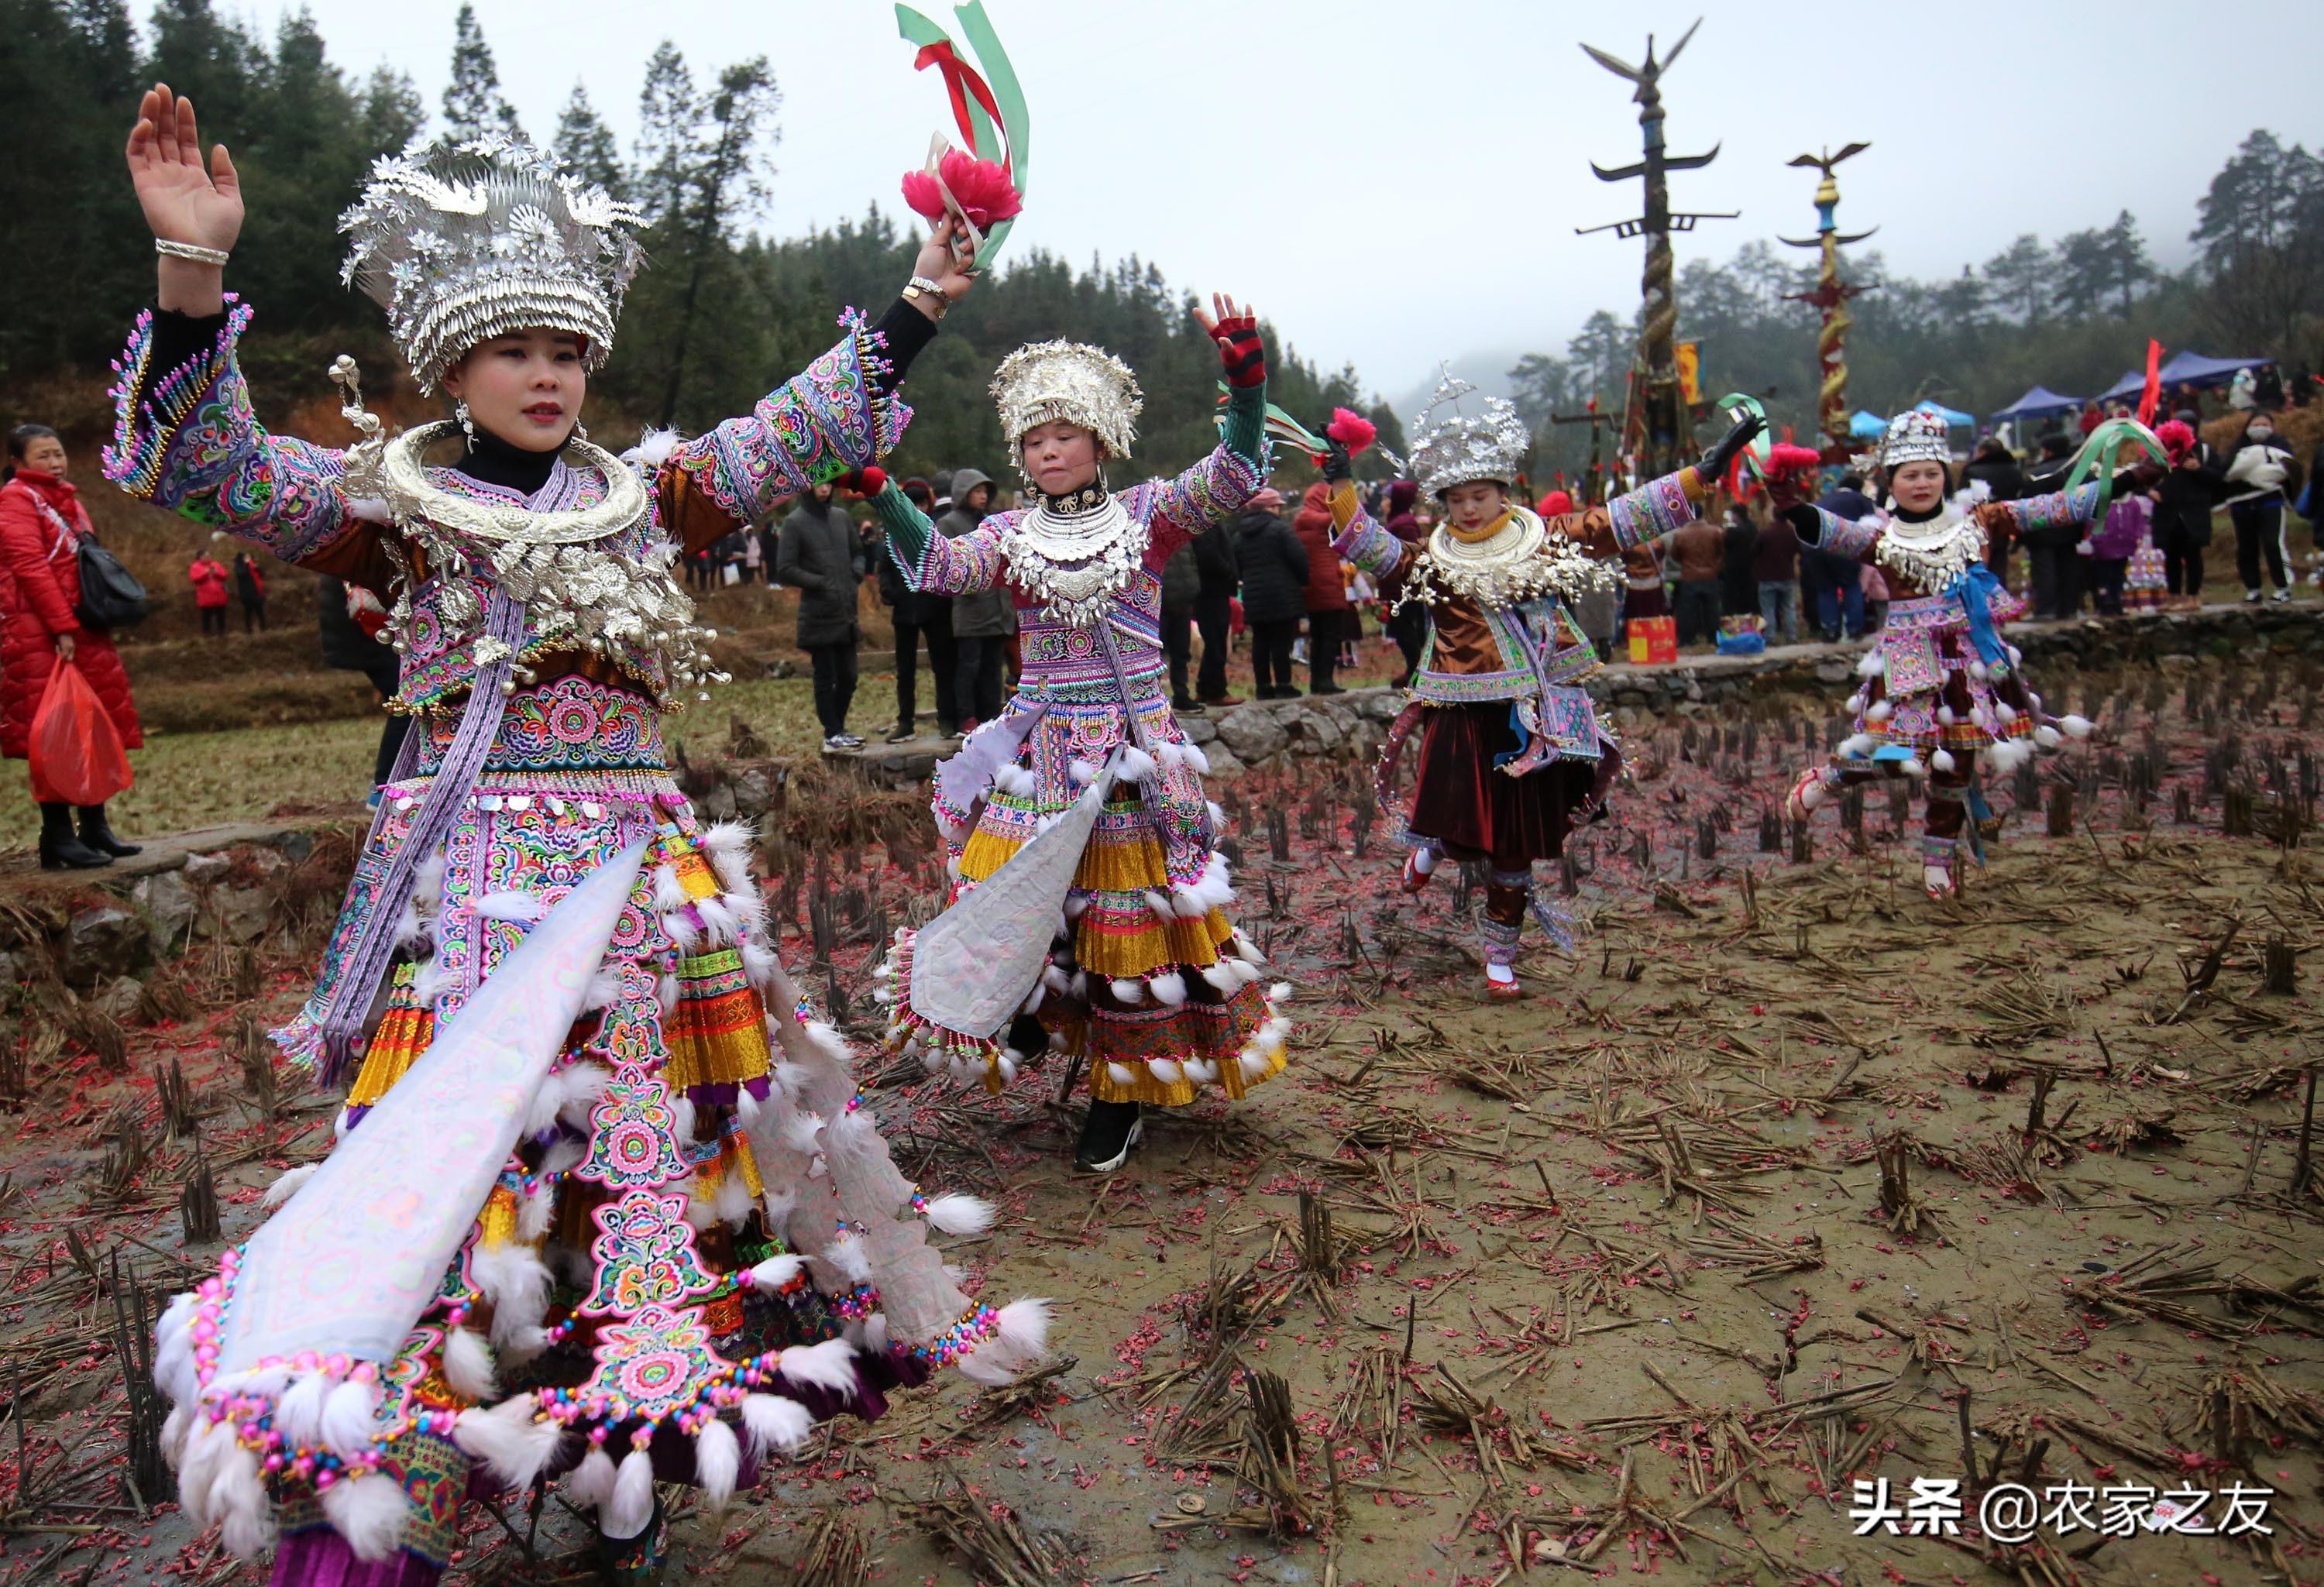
(184, 201)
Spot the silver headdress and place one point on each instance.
(1460, 449)
(1915, 436)
(487, 237)
(1043, 382)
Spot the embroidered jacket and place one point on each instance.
(1476, 652)
(186, 439)
(1068, 679)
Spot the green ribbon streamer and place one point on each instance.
(2100, 453)
(1000, 77)
(1760, 449)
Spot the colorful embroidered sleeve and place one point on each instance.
(1214, 490)
(2057, 510)
(1826, 530)
(935, 563)
(1656, 508)
(829, 419)
(1358, 536)
(185, 439)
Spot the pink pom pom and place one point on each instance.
(1785, 457)
(1351, 430)
(982, 189)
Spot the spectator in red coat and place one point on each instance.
(206, 573)
(1330, 621)
(42, 522)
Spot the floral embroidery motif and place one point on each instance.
(632, 1135)
(645, 1257)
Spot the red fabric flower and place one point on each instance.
(1784, 457)
(1556, 504)
(982, 189)
(1351, 430)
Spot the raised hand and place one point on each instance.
(1790, 471)
(184, 201)
(1713, 466)
(937, 261)
(1235, 329)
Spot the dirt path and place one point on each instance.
(1778, 1185)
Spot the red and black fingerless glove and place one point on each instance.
(1242, 354)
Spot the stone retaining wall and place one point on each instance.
(1272, 734)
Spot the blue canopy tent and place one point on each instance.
(1864, 426)
(2040, 402)
(1953, 417)
(2181, 369)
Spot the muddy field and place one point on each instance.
(1787, 1180)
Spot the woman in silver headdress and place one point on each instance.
(1512, 754)
(576, 1200)
(1124, 956)
(1941, 690)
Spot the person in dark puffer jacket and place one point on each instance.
(1274, 568)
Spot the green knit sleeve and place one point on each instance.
(1244, 430)
(908, 529)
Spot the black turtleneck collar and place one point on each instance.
(1089, 498)
(494, 462)
(1898, 512)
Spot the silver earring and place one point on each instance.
(467, 426)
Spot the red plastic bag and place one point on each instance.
(76, 752)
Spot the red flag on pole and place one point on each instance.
(2153, 394)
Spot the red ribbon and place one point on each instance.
(961, 82)
(2152, 395)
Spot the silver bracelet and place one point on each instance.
(193, 251)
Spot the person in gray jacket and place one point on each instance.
(820, 556)
(982, 621)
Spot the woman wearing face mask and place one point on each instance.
(1941, 687)
(605, 1261)
(1147, 981)
(1513, 756)
(2263, 474)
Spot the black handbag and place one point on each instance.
(110, 595)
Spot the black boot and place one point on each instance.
(59, 849)
(1108, 1133)
(97, 834)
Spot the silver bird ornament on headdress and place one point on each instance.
(1462, 448)
(484, 238)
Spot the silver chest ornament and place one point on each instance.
(584, 585)
(1077, 565)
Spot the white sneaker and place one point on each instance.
(835, 743)
(2281, 596)
(2250, 598)
(849, 740)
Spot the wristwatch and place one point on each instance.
(921, 289)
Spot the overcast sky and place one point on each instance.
(1397, 181)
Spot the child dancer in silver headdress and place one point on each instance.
(1512, 756)
(1129, 960)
